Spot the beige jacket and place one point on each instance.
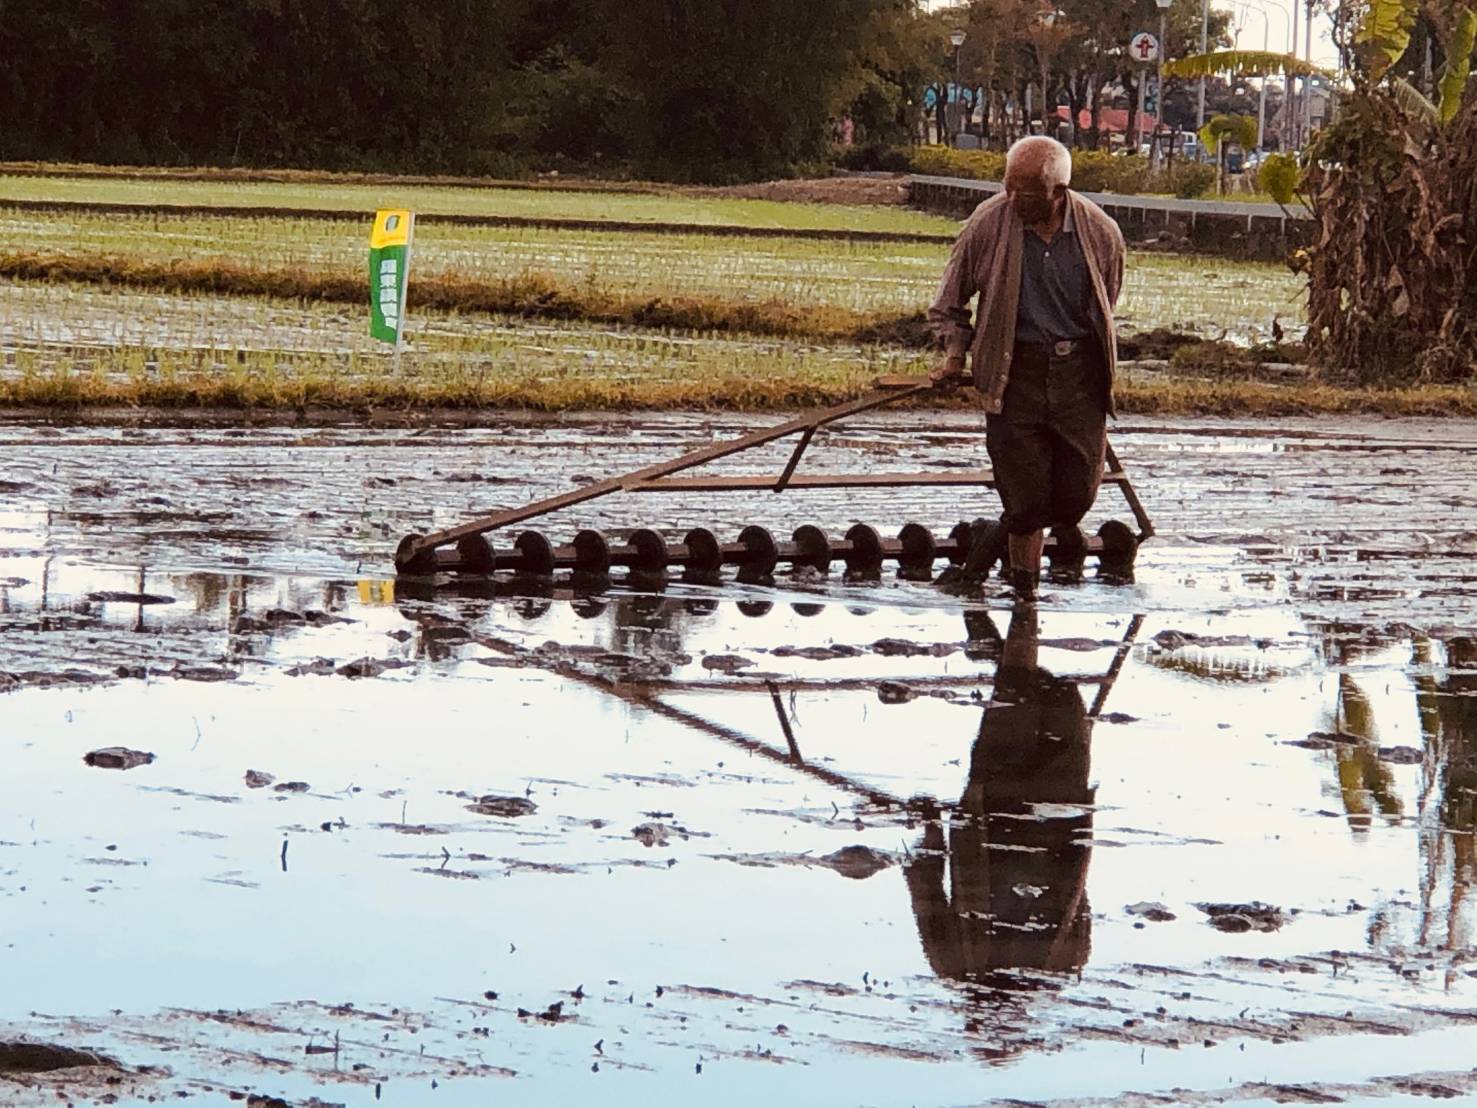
(986, 259)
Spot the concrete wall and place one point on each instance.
(1223, 227)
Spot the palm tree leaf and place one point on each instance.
(1383, 35)
(1242, 63)
(1453, 82)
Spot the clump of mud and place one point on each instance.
(505, 807)
(1236, 918)
(726, 663)
(856, 862)
(656, 834)
(117, 757)
(128, 598)
(1150, 910)
(18, 1058)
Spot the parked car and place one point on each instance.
(1186, 145)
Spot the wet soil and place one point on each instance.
(1203, 836)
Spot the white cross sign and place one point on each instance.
(1143, 48)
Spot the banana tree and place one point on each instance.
(1243, 63)
(1456, 78)
(1381, 36)
(1391, 187)
(1233, 64)
(1391, 184)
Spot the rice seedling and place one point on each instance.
(74, 347)
(864, 282)
(654, 206)
(131, 377)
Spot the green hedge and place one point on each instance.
(942, 161)
(1092, 170)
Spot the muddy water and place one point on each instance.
(1208, 831)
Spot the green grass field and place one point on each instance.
(540, 203)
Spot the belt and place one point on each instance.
(1060, 348)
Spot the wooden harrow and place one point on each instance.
(466, 548)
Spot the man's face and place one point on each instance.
(1032, 200)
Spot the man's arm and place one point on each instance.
(1113, 275)
(951, 317)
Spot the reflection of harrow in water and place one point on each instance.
(755, 552)
(647, 692)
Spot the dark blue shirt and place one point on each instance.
(1056, 289)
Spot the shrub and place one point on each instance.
(1100, 171)
(874, 157)
(941, 161)
(1191, 180)
(1278, 177)
(1092, 170)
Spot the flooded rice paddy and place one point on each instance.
(1201, 836)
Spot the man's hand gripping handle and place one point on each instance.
(948, 375)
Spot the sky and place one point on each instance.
(1251, 16)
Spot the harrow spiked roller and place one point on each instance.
(755, 552)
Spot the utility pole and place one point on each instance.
(957, 38)
(1154, 155)
(1308, 81)
(1289, 96)
(1204, 49)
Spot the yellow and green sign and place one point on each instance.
(389, 268)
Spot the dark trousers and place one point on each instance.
(1048, 442)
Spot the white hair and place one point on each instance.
(1042, 157)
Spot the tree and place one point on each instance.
(1392, 288)
(902, 53)
(1392, 284)
(1220, 131)
(726, 89)
(1097, 58)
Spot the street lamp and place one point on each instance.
(1264, 6)
(957, 38)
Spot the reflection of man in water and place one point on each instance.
(1017, 891)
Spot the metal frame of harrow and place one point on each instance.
(465, 549)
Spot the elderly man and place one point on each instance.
(1047, 265)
